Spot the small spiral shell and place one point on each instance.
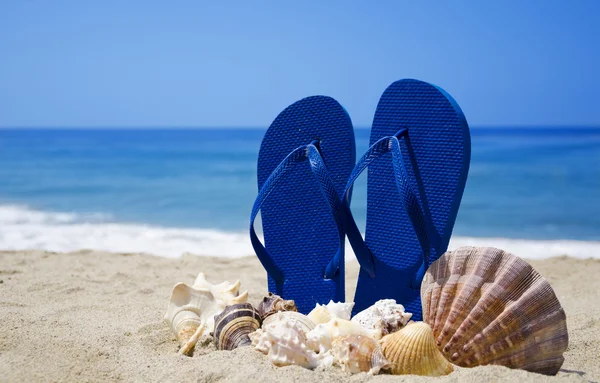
(274, 303)
(234, 324)
(359, 353)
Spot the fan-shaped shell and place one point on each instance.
(412, 351)
(274, 303)
(234, 324)
(302, 320)
(487, 306)
(359, 353)
(386, 316)
(192, 309)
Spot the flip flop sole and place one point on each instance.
(436, 155)
(300, 232)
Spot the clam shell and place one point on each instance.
(302, 320)
(412, 351)
(487, 306)
(191, 309)
(359, 353)
(274, 303)
(234, 324)
(386, 316)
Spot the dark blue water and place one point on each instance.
(537, 183)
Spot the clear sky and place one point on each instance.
(221, 63)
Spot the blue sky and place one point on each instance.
(194, 63)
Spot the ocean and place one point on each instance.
(170, 191)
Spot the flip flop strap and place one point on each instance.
(303, 153)
(410, 203)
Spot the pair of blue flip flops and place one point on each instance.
(418, 162)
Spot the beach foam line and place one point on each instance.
(22, 228)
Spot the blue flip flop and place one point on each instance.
(418, 160)
(305, 159)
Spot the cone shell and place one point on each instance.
(234, 324)
(487, 306)
(359, 353)
(304, 323)
(274, 303)
(412, 351)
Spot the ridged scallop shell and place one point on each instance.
(233, 325)
(192, 309)
(412, 351)
(284, 342)
(359, 353)
(324, 313)
(321, 337)
(302, 320)
(385, 316)
(487, 306)
(274, 303)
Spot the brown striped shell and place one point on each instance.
(274, 303)
(412, 351)
(234, 324)
(359, 353)
(487, 306)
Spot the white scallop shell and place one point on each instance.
(192, 309)
(385, 316)
(321, 337)
(284, 342)
(324, 313)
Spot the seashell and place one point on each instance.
(359, 353)
(412, 351)
(386, 316)
(324, 313)
(302, 320)
(233, 325)
(321, 337)
(192, 309)
(274, 303)
(487, 306)
(284, 342)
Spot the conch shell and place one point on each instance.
(487, 306)
(321, 337)
(385, 316)
(274, 303)
(233, 325)
(324, 313)
(301, 320)
(359, 353)
(412, 351)
(284, 342)
(192, 309)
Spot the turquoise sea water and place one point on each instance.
(534, 183)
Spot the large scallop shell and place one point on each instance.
(192, 309)
(302, 320)
(233, 325)
(412, 351)
(487, 306)
(386, 316)
(274, 303)
(359, 353)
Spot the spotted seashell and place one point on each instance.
(324, 313)
(487, 306)
(234, 324)
(359, 353)
(274, 303)
(385, 316)
(302, 320)
(412, 351)
(321, 337)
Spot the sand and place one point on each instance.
(96, 316)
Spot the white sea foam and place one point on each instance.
(22, 228)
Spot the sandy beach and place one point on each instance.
(97, 316)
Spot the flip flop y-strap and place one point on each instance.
(423, 227)
(311, 154)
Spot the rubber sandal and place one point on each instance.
(304, 162)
